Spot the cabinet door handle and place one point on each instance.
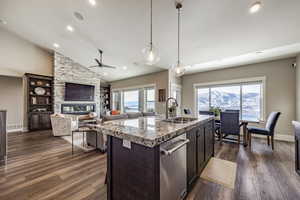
(170, 151)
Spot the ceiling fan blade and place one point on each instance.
(99, 63)
(107, 66)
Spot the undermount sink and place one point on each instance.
(180, 120)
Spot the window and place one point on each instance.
(131, 101)
(150, 100)
(251, 101)
(226, 97)
(246, 97)
(134, 99)
(116, 100)
(203, 98)
(175, 92)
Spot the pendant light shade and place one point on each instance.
(150, 53)
(179, 67)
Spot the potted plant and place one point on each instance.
(216, 110)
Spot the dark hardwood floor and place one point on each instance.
(41, 166)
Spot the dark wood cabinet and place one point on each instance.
(129, 170)
(297, 153)
(39, 121)
(200, 149)
(209, 141)
(3, 138)
(45, 121)
(192, 172)
(139, 175)
(39, 101)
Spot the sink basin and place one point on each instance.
(180, 120)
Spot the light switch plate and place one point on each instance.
(127, 144)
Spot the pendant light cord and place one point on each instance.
(151, 14)
(178, 42)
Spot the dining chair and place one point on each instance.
(187, 111)
(230, 125)
(267, 131)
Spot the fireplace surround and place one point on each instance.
(78, 109)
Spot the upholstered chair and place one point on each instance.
(63, 124)
(267, 131)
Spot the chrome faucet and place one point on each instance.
(167, 106)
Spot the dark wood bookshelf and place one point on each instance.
(39, 106)
(105, 97)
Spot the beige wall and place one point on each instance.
(12, 100)
(298, 87)
(18, 56)
(160, 79)
(280, 87)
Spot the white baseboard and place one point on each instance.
(19, 128)
(288, 138)
(279, 137)
(14, 130)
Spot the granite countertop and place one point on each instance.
(147, 131)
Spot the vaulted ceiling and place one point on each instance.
(215, 34)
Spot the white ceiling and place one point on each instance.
(215, 34)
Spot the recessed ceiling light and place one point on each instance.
(255, 7)
(2, 21)
(78, 16)
(124, 67)
(56, 45)
(70, 28)
(93, 2)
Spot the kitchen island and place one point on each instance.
(153, 159)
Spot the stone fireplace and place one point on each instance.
(66, 70)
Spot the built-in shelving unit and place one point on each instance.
(39, 101)
(105, 99)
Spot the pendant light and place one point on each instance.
(179, 67)
(150, 52)
(255, 7)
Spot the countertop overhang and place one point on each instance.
(148, 131)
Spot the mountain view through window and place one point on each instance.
(243, 97)
(131, 101)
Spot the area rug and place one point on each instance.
(78, 142)
(220, 171)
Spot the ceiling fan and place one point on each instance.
(100, 63)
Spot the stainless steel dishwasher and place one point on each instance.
(173, 174)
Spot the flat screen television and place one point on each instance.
(79, 92)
